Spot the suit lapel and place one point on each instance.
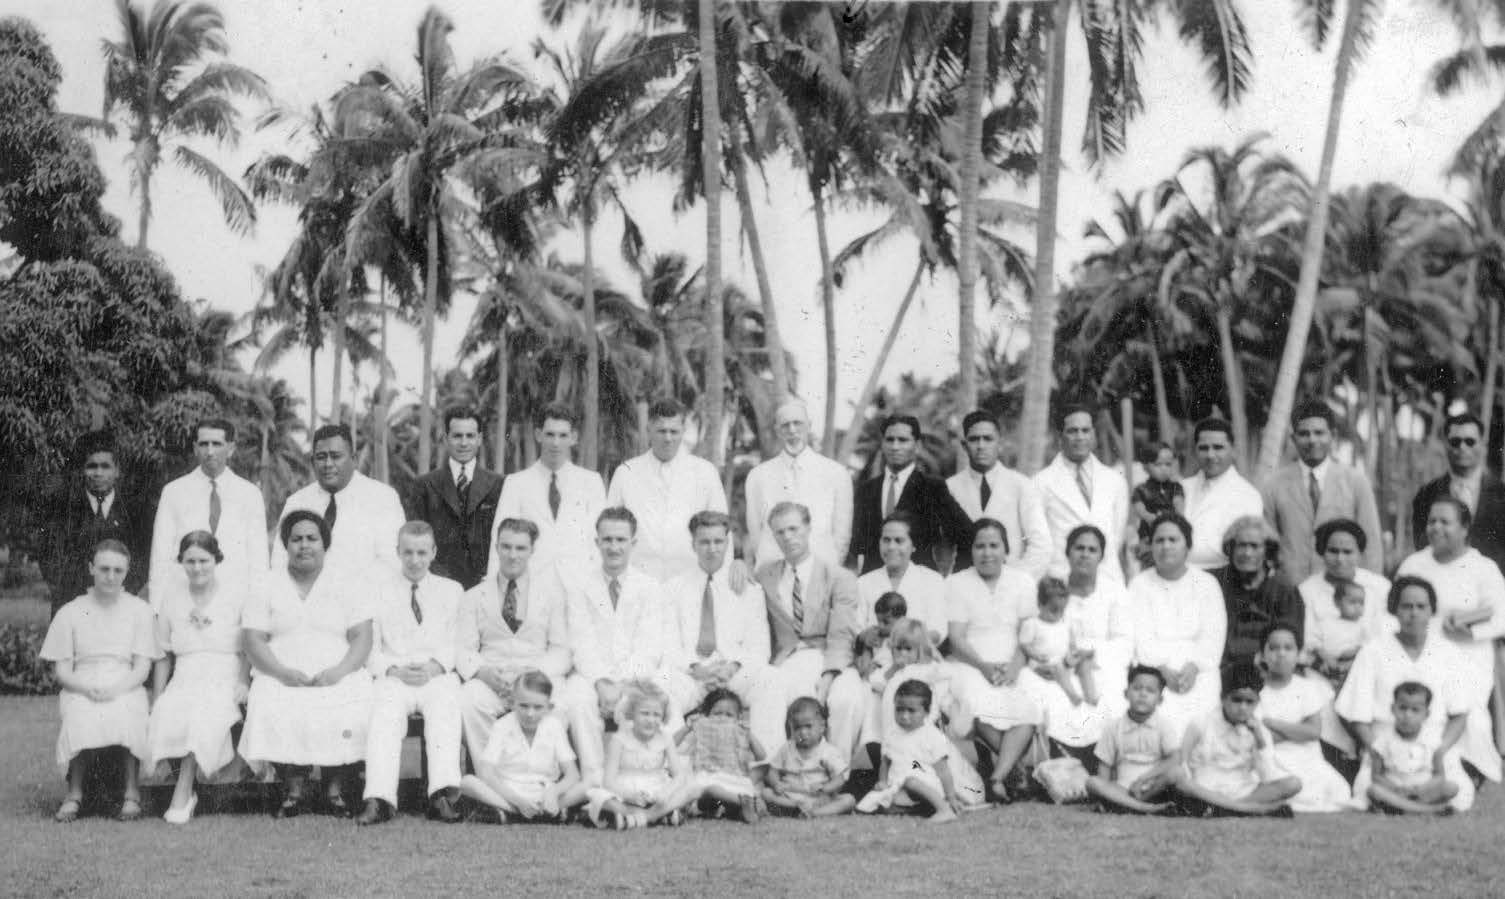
(448, 492)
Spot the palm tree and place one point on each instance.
(150, 74)
(1114, 39)
(710, 159)
(971, 185)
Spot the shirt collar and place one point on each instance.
(103, 502)
(1473, 478)
(803, 569)
(989, 475)
(1319, 471)
(501, 584)
(455, 468)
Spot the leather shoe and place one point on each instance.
(442, 806)
(377, 811)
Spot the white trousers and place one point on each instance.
(439, 703)
(776, 686)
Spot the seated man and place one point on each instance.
(508, 624)
(412, 658)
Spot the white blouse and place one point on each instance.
(992, 614)
(1179, 621)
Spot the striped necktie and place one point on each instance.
(797, 603)
(214, 507)
(706, 645)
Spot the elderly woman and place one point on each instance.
(1415, 653)
(923, 589)
(986, 603)
(1341, 544)
(1254, 599)
(1179, 622)
(307, 636)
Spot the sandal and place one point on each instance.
(130, 810)
(291, 807)
(335, 806)
(67, 813)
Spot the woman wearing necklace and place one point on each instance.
(199, 627)
(307, 634)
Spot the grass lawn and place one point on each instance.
(1029, 849)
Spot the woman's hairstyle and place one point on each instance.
(1242, 675)
(641, 692)
(983, 524)
(1049, 588)
(203, 540)
(899, 516)
(1410, 580)
(111, 545)
(916, 688)
(1327, 529)
(534, 681)
(1083, 530)
(910, 632)
(720, 694)
(1275, 628)
(799, 707)
(285, 530)
(1465, 517)
(891, 605)
(1174, 518)
(1413, 688)
(1259, 525)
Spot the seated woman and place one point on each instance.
(923, 589)
(101, 645)
(1254, 597)
(307, 634)
(199, 627)
(1341, 544)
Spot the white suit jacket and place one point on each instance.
(242, 532)
(571, 537)
(368, 516)
(1065, 508)
(622, 643)
(1015, 501)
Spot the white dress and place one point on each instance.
(101, 640)
(1105, 625)
(1323, 789)
(1180, 621)
(307, 725)
(198, 708)
(992, 615)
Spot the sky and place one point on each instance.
(1394, 129)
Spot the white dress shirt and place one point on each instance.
(397, 638)
(1212, 505)
(663, 496)
(101, 506)
(572, 536)
(894, 481)
(469, 468)
(822, 485)
(618, 644)
(368, 516)
(923, 589)
(541, 640)
(1065, 509)
(742, 634)
(242, 532)
(1014, 500)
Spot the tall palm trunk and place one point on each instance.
(1492, 347)
(145, 214)
(313, 390)
(341, 312)
(771, 337)
(1289, 374)
(1371, 393)
(854, 430)
(828, 310)
(710, 170)
(589, 439)
(1157, 377)
(383, 467)
(1233, 382)
(499, 453)
(971, 184)
(1040, 374)
(430, 306)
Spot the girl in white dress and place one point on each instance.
(199, 627)
(308, 635)
(102, 646)
(646, 778)
(1291, 708)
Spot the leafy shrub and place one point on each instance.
(21, 672)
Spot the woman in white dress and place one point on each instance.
(1470, 613)
(199, 628)
(1415, 652)
(1179, 623)
(985, 604)
(308, 635)
(923, 589)
(1341, 544)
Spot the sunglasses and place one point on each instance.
(1456, 442)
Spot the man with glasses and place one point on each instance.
(1468, 481)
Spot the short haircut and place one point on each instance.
(1146, 671)
(1402, 583)
(709, 518)
(1413, 688)
(987, 524)
(639, 692)
(1174, 518)
(1212, 426)
(200, 540)
(1049, 588)
(801, 705)
(111, 545)
(665, 407)
(1259, 525)
(285, 529)
(1071, 409)
(915, 688)
(1315, 409)
(222, 424)
(719, 694)
(899, 516)
(1461, 419)
(534, 680)
(94, 442)
(1149, 452)
(901, 419)
(1327, 529)
(329, 432)
(519, 526)
(1084, 530)
(1465, 517)
(786, 507)
(617, 513)
(891, 605)
(461, 413)
(1280, 625)
(977, 417)
(416, 529)
(1242, 675)
(911, 632)
(557, 412)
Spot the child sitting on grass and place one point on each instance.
(806, 774)
(1054, 643)
(527, 769)
(1139, 752)
(914, 767)
(723, 757)
(646, 780)
(1229, 755)
(1291, 708)
(1407, 773)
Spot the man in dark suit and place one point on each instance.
(938, 518)
(87, 512)
(1467, 480)
(459, 499)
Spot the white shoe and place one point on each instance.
(184, 815)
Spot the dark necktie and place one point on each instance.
(614, 587)
(413, 601)
(1314, 490)
(706, 645)
(99, 509)
(462, 484)
(509, 607)
(554, 496)
(986, 493)
(214, 507)
(797, 603)
(330, 511)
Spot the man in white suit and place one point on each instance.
(215, 499)
(554, 493)
(1077, 489)
(798, 474)
(1217, 495)
(362, 513)
(986, 488)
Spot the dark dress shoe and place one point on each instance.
(442, 807)
(377, 811)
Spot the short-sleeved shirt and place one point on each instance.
(1407, 762)
(87, 632)
(915, 750)
(718, 744)
(808, 775)
(1132, 747)
(515, 758)
(213, 627)
(1158, 497)
(992, 614)
(1226, 748)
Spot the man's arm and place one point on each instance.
(1037, 548)
(255, 525)
(841, 518)
(1419, 510)
(861, 529)
(956, 526)
(841, 629)
(753, 494)
(164, 542)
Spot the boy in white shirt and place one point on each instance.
(1407, 775)
(528, 768)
